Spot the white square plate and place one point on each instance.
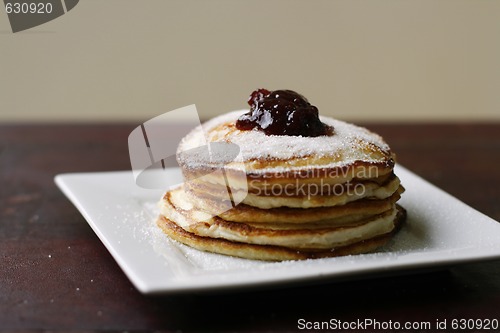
(440, 230)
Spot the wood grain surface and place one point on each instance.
(55, 274)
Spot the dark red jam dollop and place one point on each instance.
(282, 112)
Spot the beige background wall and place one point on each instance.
(123, 60)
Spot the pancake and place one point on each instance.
(272, 252)
(272, 196)
(243, 213)
(299, 197)
(327, 234)
(351, 153)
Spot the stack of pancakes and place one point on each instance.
(271, 197)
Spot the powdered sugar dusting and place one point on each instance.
(348, 144)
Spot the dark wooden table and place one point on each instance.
(56, 274)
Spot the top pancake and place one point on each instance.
(351, 152)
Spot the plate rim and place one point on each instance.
(63, 181)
